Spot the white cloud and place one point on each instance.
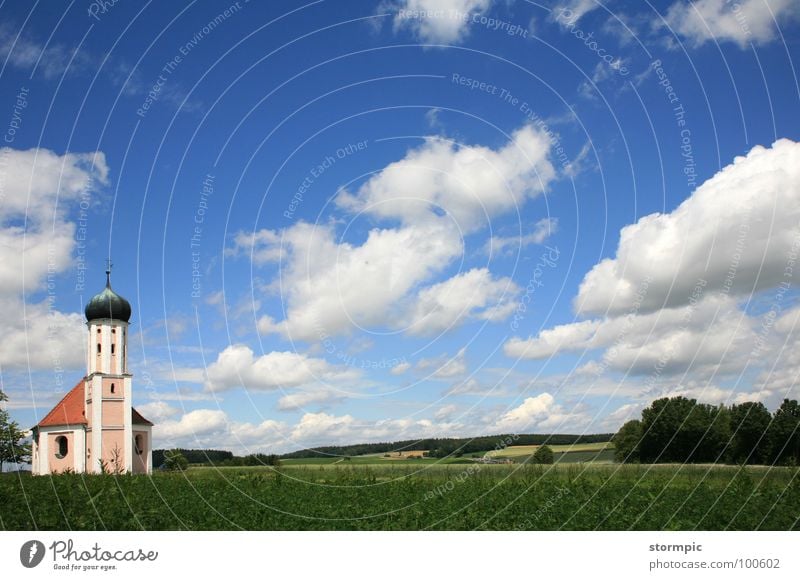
(506, 246)
(192, 424)
(437, 193)
(237, 366)
(471, 294)
(445, 412)
(741, 22)
(332, 288)
(306, 398)
(571, 11)
(25, 53)
(37, 242)
(712, 334)
(445, 367)
(734, 232)
(438, 21)
(679, 302)
(262, 246)
(401, 368)
(157, 411)
(540, 412)
(470, 184)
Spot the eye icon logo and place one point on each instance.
(31, 553)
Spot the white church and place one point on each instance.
(94, 428)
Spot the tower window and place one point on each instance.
(63, 446)
(112, 348)
(98, 348)
(113, 388)
(113, 331)
(98, 331)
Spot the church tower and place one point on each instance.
(108, 383)
(94, 427)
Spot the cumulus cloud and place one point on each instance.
(436, 193)
(734, 232)
(573, 10)
(438, 21)
(401, 368)
(470, 184)
(711, 334)
(472, 294)
(509, 245)
(540, 412)
(679, 303)
(742, 22)
(306, 398)
(445, 367)
(237, 366)
(212, 428)
(157, 411)
(39, 188)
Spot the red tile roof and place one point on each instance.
(137, 419)
(69, 411)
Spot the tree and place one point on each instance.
(667, 435)
(543, 455)
(626, 442)
(749, 425)
(784, 434)
(174, 460)
(13, 447)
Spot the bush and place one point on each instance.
(174, 460)
(543, 455)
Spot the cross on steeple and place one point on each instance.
(109, 265)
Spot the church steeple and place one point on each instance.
(108, 304)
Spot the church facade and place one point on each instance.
(94, 428)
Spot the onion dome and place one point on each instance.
(108, 304)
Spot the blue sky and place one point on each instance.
(355, 221)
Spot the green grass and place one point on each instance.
(410, 497)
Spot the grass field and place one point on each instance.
(523, 450)
(397, 496)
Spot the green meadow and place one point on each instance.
(413, 494)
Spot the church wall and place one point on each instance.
(118, 386)
(114, 439)
(57, 464)
(113, 413)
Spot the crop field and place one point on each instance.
(399, 496)
(523, 450)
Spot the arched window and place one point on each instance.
(138, 442)
(98, 348)
(63, 446)
(113, 388)
(112, 348)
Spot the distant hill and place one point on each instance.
(448, 447)
(451, 447)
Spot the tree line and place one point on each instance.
(178, 459)
(447, 447)
(681, 430)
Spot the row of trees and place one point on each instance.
(448, 447)
(178, 459)
(681, 430)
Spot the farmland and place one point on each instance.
(410, 494)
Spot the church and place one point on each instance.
(94, 428)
